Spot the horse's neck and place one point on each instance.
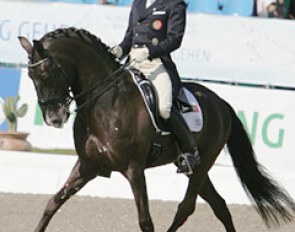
(93, 79)
(86, 68)
(90, 71)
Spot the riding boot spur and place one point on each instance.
(190, 157)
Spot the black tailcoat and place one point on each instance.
(160, 28)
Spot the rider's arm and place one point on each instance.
(127, 40)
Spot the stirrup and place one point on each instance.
(188, 163)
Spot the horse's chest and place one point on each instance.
(104, 153)
(96, 147)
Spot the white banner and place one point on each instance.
(235, 49)
(238, 49)
(33, 20)
(268, 116)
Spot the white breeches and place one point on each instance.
(155, 71)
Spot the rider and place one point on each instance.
(156, 28)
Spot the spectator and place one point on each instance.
(277, 9)
(272, 8)
(262, 7)
(290, 6)
(108, 2)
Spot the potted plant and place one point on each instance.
(12, 139)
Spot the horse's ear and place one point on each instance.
(25, 43)
(42, 52)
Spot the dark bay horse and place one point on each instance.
(113, 131)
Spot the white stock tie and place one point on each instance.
(149, 3)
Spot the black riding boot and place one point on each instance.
(190, 156)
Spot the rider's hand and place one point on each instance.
(141, 54)
(117, 51)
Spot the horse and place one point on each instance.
(113, 131)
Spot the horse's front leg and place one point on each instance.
(79, 176)
(136, 178)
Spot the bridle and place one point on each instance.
(66, 99)
(58, 73)
(37, 63)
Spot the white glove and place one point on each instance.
(117, 51)
(141, 54)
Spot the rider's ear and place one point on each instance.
(42, 52)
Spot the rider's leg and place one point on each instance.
(155, 71)
(184, 137)
(177, 124)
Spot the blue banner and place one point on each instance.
(9, 86)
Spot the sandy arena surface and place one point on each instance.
(21, 212)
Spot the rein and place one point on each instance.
(105, 85)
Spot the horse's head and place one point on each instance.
(51, 85)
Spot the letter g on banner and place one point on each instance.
(4, 30)
(276, 142)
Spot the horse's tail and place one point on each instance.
(271, 201)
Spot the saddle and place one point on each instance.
(186, 103)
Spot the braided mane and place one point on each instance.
(79, 34)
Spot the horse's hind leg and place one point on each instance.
(188, 204)
(137, 181)
(217, 203)
(79, 176)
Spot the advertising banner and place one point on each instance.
(215, 47)
(33, 20)
(267, 115)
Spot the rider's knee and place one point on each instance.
(165, 112)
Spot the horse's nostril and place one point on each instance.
(56, 121)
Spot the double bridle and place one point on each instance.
(67, 99)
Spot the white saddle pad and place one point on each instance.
(193, 118)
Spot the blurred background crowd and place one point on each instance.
(284, 9)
